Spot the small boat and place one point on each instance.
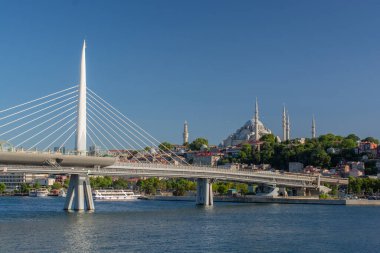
(114, 195)
(62, 193)
(43, 192)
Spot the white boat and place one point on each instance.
(43, 192)
(62, 193)
(114, 195)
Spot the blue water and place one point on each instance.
(40, 225)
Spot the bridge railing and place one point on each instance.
(170, 172)
(219, 170)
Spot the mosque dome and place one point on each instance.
(246, 133)
(204, 147)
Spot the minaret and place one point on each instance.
(313, 132)
(185, 133)
(80, 145)
(257, 122)
(284, 133)
(287, 126)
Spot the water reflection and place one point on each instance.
(79, 231)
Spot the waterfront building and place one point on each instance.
(366, 146)
(203, 158)
(47, 181)
(13, 181)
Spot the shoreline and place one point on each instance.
(269, 200)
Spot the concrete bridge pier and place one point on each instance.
(79, 195)
(204, 192)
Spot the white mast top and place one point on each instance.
(82, 110)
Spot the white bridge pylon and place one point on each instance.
(68, 122)
(80, 142)
(74, 119)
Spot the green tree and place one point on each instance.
(242, 188)
(120, 183)
(267, 152)
(198, 143)
(165, 146)
(319, 157)
(37, 185)
(353, 137)
(56, 186)
(334, 190)
(245, 154)
(270, 138)
(222, 189)
(101, 182)
(150, 185)
(2, 187)
(371, 139)
(66, 183)
(348, 144)
(24, 188)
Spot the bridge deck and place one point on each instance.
(180, 171)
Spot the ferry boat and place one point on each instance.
(114, 195)
(43, 192)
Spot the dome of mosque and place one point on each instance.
(246, 133)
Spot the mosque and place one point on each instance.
(254, 129)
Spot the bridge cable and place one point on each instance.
(42, 123)
(112, 144)
(104, 145)
(45, 129)
(122, 126)
(132, 123)
(37, 111)
(131, 127)
(34, 106)
(117, 123)
(60, 136)
(89, 110)
(30, 121)
(60, 147)
(118, 128)
(38, 99)
(108, 139)
(52, 133)
(121, 120)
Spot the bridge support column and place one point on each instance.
(204, 192)
(79, 195)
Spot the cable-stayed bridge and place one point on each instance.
(51, 134)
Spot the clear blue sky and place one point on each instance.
(163, 62)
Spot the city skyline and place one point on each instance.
(324, 68)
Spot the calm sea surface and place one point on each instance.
(40, 225)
